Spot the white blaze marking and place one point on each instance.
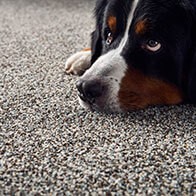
(129, 22)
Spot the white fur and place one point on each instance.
(78, 63)
(129, 22)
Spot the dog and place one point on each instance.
(143, 53)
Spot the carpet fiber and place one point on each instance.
(50, 145)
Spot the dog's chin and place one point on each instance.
(101, 106)
(85, 105)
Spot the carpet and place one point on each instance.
(49, 145)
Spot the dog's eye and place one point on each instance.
(109, 38)
(153, 45)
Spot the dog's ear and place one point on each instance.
(192, 68)
(96, 45)
(192, 78)
(96, 39)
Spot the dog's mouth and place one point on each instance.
(88, 101)
(91, 104)
(105, 104)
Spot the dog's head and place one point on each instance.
(141, 55)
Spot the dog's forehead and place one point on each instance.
(143, 8)
(119, 12)
(147, 15)
(119, 8)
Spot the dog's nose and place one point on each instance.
(89, 90)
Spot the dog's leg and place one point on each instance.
(78, 63)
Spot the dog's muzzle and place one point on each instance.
(89, 90)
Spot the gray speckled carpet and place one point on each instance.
(50, 145)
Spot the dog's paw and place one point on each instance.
(78, 63)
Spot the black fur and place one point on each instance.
(172, 22)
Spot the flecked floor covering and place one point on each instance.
(50, 145)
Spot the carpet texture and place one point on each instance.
(50, 145)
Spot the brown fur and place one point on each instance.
(86, 49)
(112, 22)
(138, 91)
(141, 26)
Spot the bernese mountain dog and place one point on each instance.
(143, 53)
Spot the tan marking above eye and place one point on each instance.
(112, 23)
(141, 26)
